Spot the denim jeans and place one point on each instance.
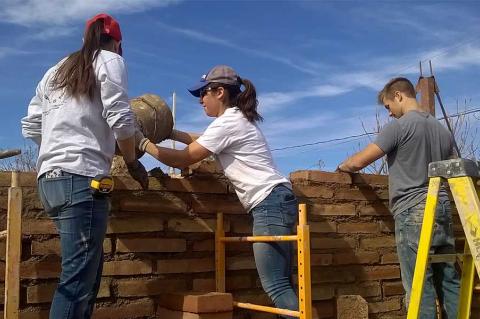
(276, 215)
(81, 220)
(442, 280)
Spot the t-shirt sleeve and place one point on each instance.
(217, 136)
(389, 137)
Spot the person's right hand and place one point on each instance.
(138, 173)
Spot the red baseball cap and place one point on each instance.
(110, 26)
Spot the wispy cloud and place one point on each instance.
(6, 51)
(378, 70)
(307, 67)
(60, 12)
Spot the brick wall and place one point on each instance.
(162, 240)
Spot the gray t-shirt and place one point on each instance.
(411, 143)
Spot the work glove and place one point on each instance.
(138, 173)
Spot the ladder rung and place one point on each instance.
(443, 258)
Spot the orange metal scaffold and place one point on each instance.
(304, 280)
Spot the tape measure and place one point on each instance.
(102, 185)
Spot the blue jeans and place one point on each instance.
(276, 215)
(442, 279)
(81, 220)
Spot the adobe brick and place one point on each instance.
(243, 226)
(332, 275)
(231, 282)
(323, 227)
(364, 289)
(42, 269)
(52, 246)
(352, 307)
(127, 267)
(27, 179)
(356, 194)
(370, 179)
(321, 259)
(3, 249)
(320, 177)
(384, 306)
(133, 309)
(358, 228)
(126, 245)
(165, 202)
(323, 309)
(34, 313)
(393, 288)
(197, 302)
(204, 284)
(332, 210)
(330, 243)
(212, 204)
(359, 257)
(240, 263)
(138, 224)
(148, 287)
(174, 266)
(387, 226)
(189, 185)
(43, 293)
(202, 225)
(377, 242)
(172, 314)
(38, 226)
(313, 191)
(390, 258)
(378, 272)
(204, 245)
(377, 209)
(322, 292)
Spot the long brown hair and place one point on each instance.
(76, 74)
(245, 100)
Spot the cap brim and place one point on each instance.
(195, 90)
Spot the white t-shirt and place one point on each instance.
(78, 135)
(244, 155)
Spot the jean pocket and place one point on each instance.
(289, 209)
(55, 193)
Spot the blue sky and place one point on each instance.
(317, 65)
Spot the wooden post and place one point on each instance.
(13, 251)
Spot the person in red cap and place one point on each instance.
(237, 143)
(79, 113)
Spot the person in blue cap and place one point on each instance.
(238, 144)
(78, 114)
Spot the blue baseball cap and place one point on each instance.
(218, 74)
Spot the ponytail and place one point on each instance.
(246, 101)
(76, 74)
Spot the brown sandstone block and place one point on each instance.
(352, 307)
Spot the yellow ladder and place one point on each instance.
(462, 175)
(303, 250)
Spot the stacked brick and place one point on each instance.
(161, 242)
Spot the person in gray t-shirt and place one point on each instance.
(412, 141)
